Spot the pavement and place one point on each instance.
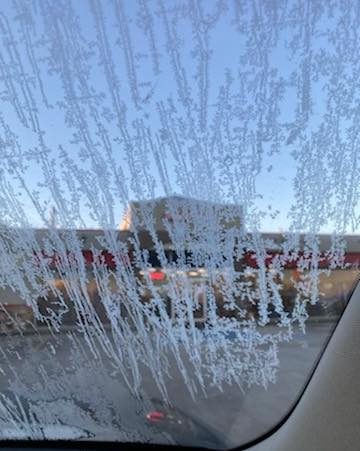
(88, 395)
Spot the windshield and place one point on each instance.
(179, 187)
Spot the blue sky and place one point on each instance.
(274, 182)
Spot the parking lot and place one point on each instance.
(84, 385)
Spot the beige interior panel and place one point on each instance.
(327, 416)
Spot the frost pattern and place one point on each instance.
(148, 111)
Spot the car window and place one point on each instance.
(179, 187)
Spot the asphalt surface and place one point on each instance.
(90, 397)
